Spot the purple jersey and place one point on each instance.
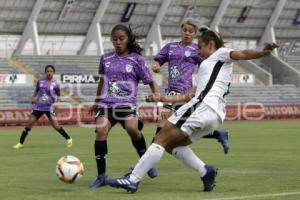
(121, 78)
(47, 92)
(181, 63)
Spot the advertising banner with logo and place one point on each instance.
(79, 78)
(249, 111)
(10, 79)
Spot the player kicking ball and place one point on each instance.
(204, 111)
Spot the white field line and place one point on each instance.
(258, 196)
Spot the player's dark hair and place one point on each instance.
(49, 66)
(133, 45)
(208, 35)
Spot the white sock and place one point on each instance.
(148, 160)
(189, 158)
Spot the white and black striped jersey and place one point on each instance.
(213, 80)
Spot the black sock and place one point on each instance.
(24, 135)
(157, 130)
(214, 135)
(140, 146)
(63, 133)
(100, 148)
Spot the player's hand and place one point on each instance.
(269, 48)
(33, 101)
(154, 97)
(155, 68)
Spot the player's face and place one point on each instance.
(49, 73)
(120, 41)
(205, 50)
(188, 33)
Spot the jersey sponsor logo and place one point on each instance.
(128, 68)
(44, 99)
(107, 64)
(174, 73)
(116, 90)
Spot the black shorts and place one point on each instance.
(115, 115)
(39, 113)
(173, 106)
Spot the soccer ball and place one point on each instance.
(69, 169)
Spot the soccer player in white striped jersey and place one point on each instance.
(204, 112)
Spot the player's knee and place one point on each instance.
(56, 127)
(101, 134)
(131, 130)
(27, 128)
(161, 141)
(169, 149)
(161, 123)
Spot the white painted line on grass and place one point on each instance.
(258, 196)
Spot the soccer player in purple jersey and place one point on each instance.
(43, 99)
(116, 98)
(204, 111)
(182, 58)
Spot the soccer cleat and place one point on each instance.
(69, 142)
(209, 178)
(223, 139)
(124, 183)
(152, 173)
(18, 146)
(100, 181)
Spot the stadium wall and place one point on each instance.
(82, 116)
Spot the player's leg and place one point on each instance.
(137, 139)
(164, 115)
(140, 122)
(35, 115)
(207, 172)
(222, 137)
(104, 122)
(168, 136)
(178, 132)
(200, 123)
(54, 123)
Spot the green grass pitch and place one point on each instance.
(263, 163)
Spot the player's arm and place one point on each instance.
(99, 89)
(253, 54)
(156, 67)
(160, 59)
(172, 99)
(154, 87)
(98, 93)
(57, 97)
(33, 97)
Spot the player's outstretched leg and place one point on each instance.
(22, 138)
(222, 137)
(125, 183)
